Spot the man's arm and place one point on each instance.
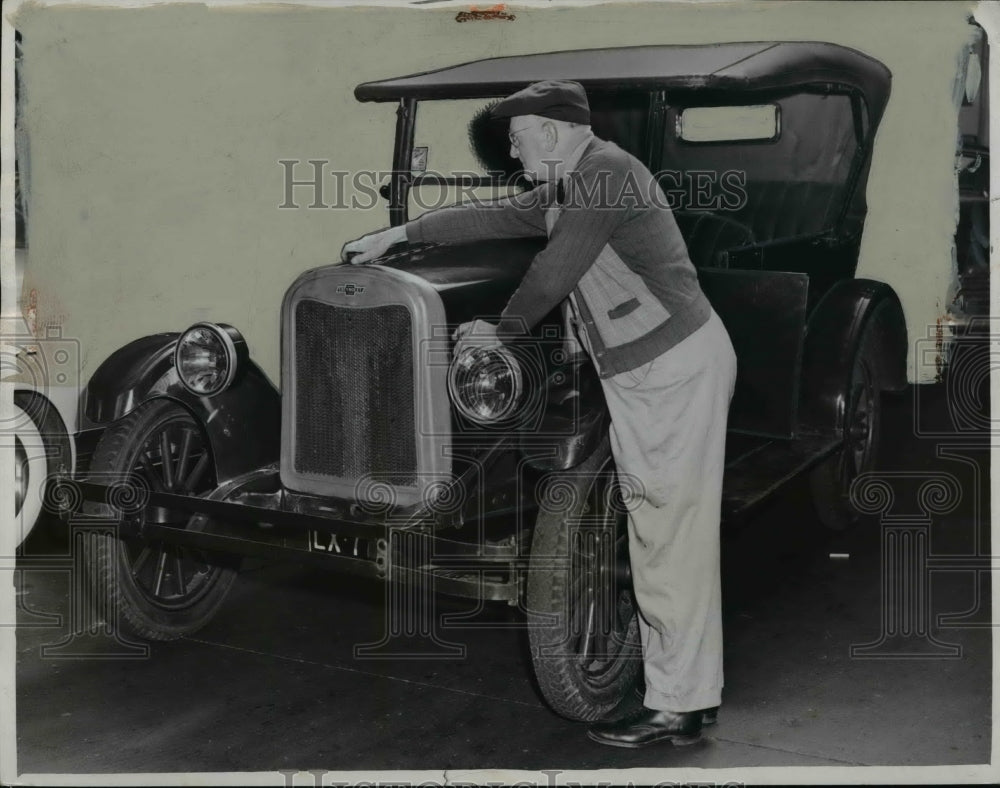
(521, 216)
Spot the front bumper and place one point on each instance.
(259, 518)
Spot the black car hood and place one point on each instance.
(473, 280)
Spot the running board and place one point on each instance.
(755, 475)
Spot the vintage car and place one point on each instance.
(489, 476)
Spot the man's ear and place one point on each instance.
(550, 135)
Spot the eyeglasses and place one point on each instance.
(512, 136)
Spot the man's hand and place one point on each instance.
(372, 246)
(474, 334)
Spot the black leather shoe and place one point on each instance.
(647, 726)
(709, 716)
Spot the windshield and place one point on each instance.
(457, 139)
(443, 151)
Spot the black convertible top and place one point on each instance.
(734, 66)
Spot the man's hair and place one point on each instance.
(491, 146)
(490, 143)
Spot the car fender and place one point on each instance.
(243, 423)
(574, 421)
(833, 335)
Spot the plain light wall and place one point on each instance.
(156, 134)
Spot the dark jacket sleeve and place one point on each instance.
(520, 216)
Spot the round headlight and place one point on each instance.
(208, 356)
(486, 385)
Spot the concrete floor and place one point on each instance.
(272, 682)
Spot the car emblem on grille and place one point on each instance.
(350, 289)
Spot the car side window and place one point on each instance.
(782, 186)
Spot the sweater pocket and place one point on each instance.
(623, 309)
(621, 303)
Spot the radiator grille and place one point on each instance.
(354, 392)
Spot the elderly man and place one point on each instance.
(615, 256)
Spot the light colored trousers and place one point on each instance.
(668, 431)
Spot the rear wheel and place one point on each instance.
(831, 481)
(582, 615)
(159, 591)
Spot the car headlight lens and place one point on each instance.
(486, 385)
(208, 357)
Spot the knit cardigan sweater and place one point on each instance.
(613, 244)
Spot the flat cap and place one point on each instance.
(559, 99)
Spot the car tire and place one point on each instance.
(31, 469)
(44, 451)
(582, 616)
(155, 590)
(830, 482)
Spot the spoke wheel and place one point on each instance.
(859, 437)
(831, 481)
(159, 590)
(582, 615)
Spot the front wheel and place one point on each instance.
(582, 616)
(158, 590)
